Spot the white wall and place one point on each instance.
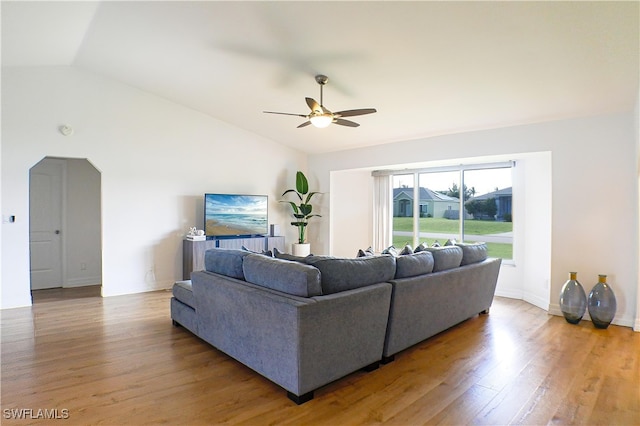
(533, 207)
(594, 197)
(157, 159)
(351, 200)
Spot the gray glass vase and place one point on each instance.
(573, 300)
(602, 303)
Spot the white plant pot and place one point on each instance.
(298, 249)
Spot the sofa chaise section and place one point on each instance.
(183, 308)
(301, 339)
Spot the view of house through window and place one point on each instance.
(466, 204)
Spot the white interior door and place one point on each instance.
(45, 223)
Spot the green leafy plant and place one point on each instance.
(302, 211)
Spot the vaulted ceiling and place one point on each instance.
(429, 68)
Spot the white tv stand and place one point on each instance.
(193, 251)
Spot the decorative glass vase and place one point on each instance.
(602, 303)
(573, 300)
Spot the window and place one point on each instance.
(470, 203)
(402, 209)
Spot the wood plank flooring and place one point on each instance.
(59, 293)
(118, 361)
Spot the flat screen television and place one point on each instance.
(228, 215)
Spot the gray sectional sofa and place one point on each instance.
(305, 322)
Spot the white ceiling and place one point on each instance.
(429, 68)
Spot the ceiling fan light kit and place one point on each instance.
(320, 116)
(321, 120)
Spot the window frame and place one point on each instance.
(461, 169)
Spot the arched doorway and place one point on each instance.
(65, 228)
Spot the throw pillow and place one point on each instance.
(264, 252)
(280, 255)
(390, 250)
(406, 250)
(421, 247)
(367, 252)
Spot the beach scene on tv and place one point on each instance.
(229, 215)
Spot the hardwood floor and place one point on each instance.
(118, 360)
(59, 293)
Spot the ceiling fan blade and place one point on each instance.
(285, 113)
(313, 104)
(348, 123)
(354, 112)
(305, 124)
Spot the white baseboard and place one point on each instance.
(83, 282)
(536, 301)
(510, 294)
(151, 286)
(554, 309)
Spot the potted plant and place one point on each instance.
(302, 212)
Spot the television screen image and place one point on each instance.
(235, 215)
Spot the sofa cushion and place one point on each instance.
(225, 262)
(473, 253)
(445, 257)
(287, 276)
(183, 292)
(341, 274)
(411, 265)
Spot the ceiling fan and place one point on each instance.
(322, 117)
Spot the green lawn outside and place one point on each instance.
(504, 251)
(447, 226)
